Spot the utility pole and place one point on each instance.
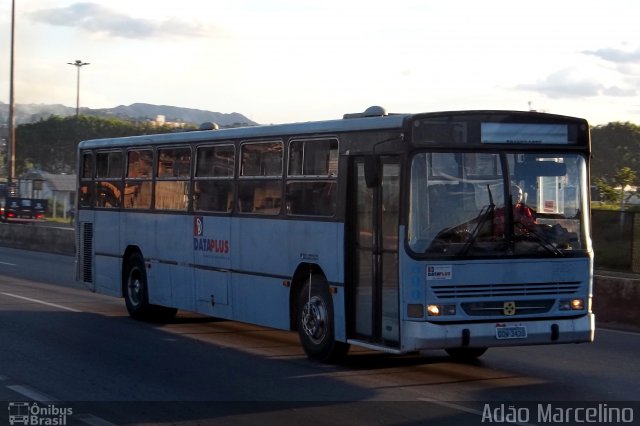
(78, 64)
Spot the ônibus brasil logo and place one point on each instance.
(200, 243)
(32, 413)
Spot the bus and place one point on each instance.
(393, 232)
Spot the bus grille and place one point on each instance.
(521, 307)
(498, 290)
(87, 252)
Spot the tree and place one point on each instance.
(50, 145)
(607, 192)
(623, 177)
(615, 145)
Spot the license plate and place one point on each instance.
(511, 332)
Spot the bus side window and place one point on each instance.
(213, 195)
(84, 194)
(213, 186)
(260, 184)
(137, 191)
(311, 198)
(172, 179)
(311, 177)
(86, 187)
(108, 185)
(260, 197)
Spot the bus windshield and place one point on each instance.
(458, 204)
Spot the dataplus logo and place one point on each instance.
(210, 245)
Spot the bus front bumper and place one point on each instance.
(429, 335)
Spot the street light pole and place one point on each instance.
(78, 64)
(11, 154)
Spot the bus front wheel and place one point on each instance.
(316, 322)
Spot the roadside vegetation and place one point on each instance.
(50, 145)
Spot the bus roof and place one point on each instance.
(374, 118)
(392, 121)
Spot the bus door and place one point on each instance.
(374, 214)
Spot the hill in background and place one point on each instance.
(29, 113)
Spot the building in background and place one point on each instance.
(59, 189)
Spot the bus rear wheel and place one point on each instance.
(466, 354)
(316, 322)
(136, 294)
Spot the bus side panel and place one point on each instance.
(171, 274)
(260, 300)
(107, 251)
(321, 243)
(211, 245)
(259, 263)
(212, 293)
(159, 282)
(259, 246)
(183, 287)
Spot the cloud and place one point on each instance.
(95, 18)
(571, 83)
(618, 92)
(617, 56)
(626, 62)
(564, 84)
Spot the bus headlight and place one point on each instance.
(439, 310)
(572, 305)
(433, 310)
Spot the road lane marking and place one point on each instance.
(42, 302)
(457, 407)
(32, 393)
(611, 330)
(616, 277)
(7, 263)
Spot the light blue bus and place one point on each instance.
(386, 231)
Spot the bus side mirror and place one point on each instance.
(371, 175)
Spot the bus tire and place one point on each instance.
(136, 294)
(466, 354)
(316, 322)
(135, 287)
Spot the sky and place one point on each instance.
(279, 61)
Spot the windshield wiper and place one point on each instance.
(542, 241)
(485, 213)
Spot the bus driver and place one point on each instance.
(523, 216)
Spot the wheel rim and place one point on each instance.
(134, 286)
(314, 319)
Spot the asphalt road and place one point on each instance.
(63, 346)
